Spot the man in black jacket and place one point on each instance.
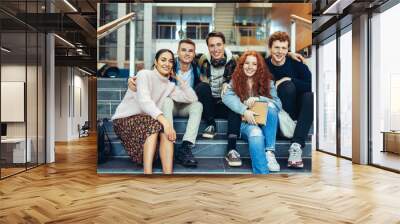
(293, 83)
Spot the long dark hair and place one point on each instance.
(159, 52)
(262, 78)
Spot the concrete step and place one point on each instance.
(111, 94)
(225, 5)
(102, 116)
(105, 109)
(217, 148)
(181, 123)
(224, 17)
(207, 147)
(205, 166)
(180, 126)
(112, 83)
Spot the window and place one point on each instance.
(108, 45)
(385, 84)
(346, 94)
(197, 30)
(327, 96)
(251, 34)
(166, 30)
(247, 31)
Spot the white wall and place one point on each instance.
(70, 83)
(79, 117)
(61, 103)
(15, 73)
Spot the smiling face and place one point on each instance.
(250, 66)
(164, 63)
(186, 53)
(216, 47)
(279, 50)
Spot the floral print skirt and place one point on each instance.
(133, 132)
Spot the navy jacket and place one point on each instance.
(297, 71)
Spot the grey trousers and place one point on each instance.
(194, 110)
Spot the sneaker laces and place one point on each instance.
(234, 154)
(270, 153)
(295, 151)
(210, 128)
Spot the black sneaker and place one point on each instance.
(209, 132)
(233, 158)
(185, 157)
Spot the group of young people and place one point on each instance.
(217, 85)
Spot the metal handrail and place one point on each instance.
(295, 17)
(114, 25)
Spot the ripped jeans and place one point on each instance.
(260, 139)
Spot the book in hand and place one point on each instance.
(260, 108)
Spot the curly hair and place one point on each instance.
(262, 78)
(280, 36)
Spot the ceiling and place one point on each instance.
(75, 22)
(327, 21)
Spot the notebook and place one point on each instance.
(261, 108)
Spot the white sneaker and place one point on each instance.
(295, 152)
(273, 165)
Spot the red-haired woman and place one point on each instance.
(251, 82)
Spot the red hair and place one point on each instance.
(261, 78)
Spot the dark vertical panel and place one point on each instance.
(369, 78)
(37, 91)
(317, 97)
(1, 165)
(338, 73)
(26, 86)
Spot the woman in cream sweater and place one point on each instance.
(138, 119)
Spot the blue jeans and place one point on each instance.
(261, 138)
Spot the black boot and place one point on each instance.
(184, 155)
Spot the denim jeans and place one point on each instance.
(260, 139)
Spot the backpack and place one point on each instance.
(103, 142)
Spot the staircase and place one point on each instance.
(110, 92)
(223, 21)
(209, 153)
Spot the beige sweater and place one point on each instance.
(152, 89)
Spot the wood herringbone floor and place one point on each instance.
(70, 191)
